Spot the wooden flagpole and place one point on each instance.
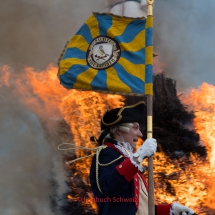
(151, 205)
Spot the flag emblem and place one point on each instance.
(103, 53)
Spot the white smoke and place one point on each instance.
(33, 33)
(26, 160)
(183, 38)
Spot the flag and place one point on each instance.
(109, 54)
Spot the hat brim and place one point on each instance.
(126, 114)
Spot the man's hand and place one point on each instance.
(178, 209)
(148, 148)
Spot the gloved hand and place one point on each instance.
(147, 149)
(178, 209)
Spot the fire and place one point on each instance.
(202, 102)
(185, 186)
(41, 93)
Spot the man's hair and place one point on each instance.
(109, 133)
(122, 127)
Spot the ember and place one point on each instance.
(183, 126)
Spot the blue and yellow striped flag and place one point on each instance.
(110, 54)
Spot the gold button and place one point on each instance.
(120, 166)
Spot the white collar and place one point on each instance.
(125, 148)
(127, 151)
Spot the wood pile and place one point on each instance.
(172, 123)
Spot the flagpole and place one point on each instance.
(123, 7)
(151, 205)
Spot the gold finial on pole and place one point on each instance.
(123, 7)
(150, 7)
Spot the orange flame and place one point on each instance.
(202, 102)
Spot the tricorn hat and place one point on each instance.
(126, 114)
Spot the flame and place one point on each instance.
(202, 102)
(185, 186)
(41, 93)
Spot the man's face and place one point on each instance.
(133, 135)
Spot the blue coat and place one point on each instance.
(117, 182)
(113, 185)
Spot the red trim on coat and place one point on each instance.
(127, 169)
(113, 147)
(144, 179)
(136, 190)
(163, 209)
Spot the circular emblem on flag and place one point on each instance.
(103, 52)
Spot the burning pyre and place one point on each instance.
(183, 125)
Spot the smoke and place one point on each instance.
(183, 38)
(25, 158)
(33, 33)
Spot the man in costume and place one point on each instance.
(116, 177)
